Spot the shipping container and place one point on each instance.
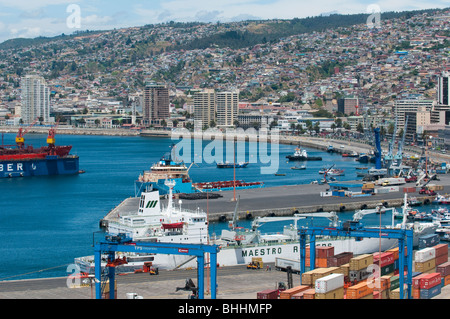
(425, 266)
(441, 260)
(441, 249)
(288, 293)
(430, 280)
(345, 269)
(324, 251)
(387, 269)
(395, 282)
(359, 290)
(329, 283)
(321, 262)
(334, 294)
(416, 280)
(340, 259)
(409, 190)
(267, 294)
(429, 240)
(393, 251)
(446, 280)
(443, 269)
(425, 254)
(361, 262)
(358, 275)
(395, 294)
(430, 293)
(383, 259)
(309, 294)
(307, 277)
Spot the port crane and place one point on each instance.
(20, 140)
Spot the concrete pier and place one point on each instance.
(283, 201)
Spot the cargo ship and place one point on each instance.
(22, 160)
(155, 223)
(302, 155)
(232, 165)
(169, 168)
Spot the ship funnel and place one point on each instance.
(150, 203)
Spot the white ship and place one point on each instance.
(173, 224)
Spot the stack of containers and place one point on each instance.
(425, 260)
(416, 286)
(395, 251)
(358, 267)
(444, 270)
(289, 293)
(441, 253)
(430, 285)
(363, 290)
(330, 287)
(381, 289)
(322, 255)
(386, 262)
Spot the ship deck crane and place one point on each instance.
(20, 140)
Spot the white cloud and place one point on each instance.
(28, 5)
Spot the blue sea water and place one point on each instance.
(45, 222)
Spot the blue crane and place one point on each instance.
(377, 148)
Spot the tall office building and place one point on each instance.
(35, 96)
(412, 105)
(227, 107)
(156, 103)
(348, 105)
(205, 106)
(443, 89)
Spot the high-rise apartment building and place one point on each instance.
(35, 97)
(227, 104)
(205, 106)
(348, 105)
(220, 107)
(156, 104)
(443, 89)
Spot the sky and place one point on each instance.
(33, 18)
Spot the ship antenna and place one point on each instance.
(170, 184)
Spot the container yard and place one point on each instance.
(345, 276)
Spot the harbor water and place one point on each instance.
(45, 222)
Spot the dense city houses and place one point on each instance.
(339, 79)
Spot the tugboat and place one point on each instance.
(302, 155)
(22, 160)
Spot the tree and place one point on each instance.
(360, 128)
(333, 127)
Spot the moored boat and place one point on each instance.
(302, 155)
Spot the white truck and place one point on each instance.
(390, 181)
(283, 263)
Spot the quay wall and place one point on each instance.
(289, 211)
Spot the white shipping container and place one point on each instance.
(329, 283)
(425, 254)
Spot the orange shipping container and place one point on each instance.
(309, 294)
(359, 290)
(334, 294)
(446, 280)
(321, 262)
(288, 293)
(394, 251)
(415, 293)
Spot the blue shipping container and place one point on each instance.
(430, 293)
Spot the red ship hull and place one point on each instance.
(31, 153)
